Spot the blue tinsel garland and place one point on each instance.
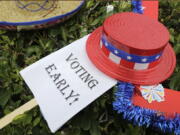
(137, 6)
(141, 116)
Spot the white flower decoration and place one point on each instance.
(153, 93)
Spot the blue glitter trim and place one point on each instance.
(141, 116)
(137, 6)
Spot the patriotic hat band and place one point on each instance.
(118, 56)
(133, 48)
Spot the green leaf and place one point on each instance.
(4, 97)
(74, 131)
(17, 89)
(89, 4)
(177, 49)
(24, 119)
(172, 38)
(54, 32)
(174, 82)
(36, 121)
(94, 128)
(85, 121)
(2, 32)
(33, 50)
(95, 22)
(63, 33)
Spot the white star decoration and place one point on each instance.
(157, 57)
(144, 60)
(115, 51)
(129, 57)
(106, 44)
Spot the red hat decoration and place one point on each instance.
(133, 48)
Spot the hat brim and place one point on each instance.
(144, 77)
(39, 23)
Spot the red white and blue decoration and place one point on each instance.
(137, 62)
(142, 116)
(133, 48)
(119, 51)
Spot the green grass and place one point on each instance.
(20, 49)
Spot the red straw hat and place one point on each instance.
(133, 48)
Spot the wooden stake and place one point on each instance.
(22, 109)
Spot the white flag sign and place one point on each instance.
(65, 82)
